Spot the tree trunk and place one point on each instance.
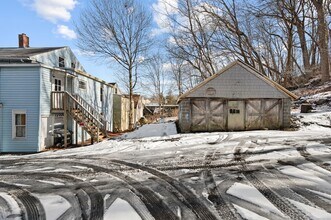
(303, 45)
(131, 109)
(322, 40)
(289, 58)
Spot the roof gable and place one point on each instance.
(237, 80)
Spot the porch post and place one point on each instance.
(65, 119)
(76, 133)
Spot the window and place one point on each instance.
(61, 62)
(82, 84)
(73, 65)
(101, 94)
(57, 85)
(19, 124)
(234, 111)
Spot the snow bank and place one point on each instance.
(152, 130)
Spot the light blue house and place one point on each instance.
(40, 87)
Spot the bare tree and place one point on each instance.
(155, 80)
(323, 37)
(117, 30)
(191, 33)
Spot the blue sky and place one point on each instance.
(49, 23)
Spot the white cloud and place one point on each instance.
(52, 10)
(66, 32)
(163, 8)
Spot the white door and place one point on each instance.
(236, 115)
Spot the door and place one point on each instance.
(199, 115)
(57, 84)
(254, 114)
(216, 120)
(207, 115)
(236, 115)
(271, 113)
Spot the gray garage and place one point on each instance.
(236, 98)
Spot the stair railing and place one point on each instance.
(93, 110)
(62, 100)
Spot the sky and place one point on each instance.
(50, 23)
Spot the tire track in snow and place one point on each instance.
(200, 209)
(224, 187)
(155, 205)
(31, 206)
(223, 207)
(304, 153)
(309, 195)
(96, 199)
(284, 206)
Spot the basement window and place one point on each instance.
(19, 124)
(61, 62)
(82, 84)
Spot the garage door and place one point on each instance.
(207, 115)
(263, 114)
(254, 114)
(271, 113)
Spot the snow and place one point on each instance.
(159, 144)
(312, 212)
(302, 174)
(153, 130)
(15, 209)
(251, 194)
(121, 210)
(328, 196)
(313, 121)
(246, 214)
(54, 205)
(51, 182)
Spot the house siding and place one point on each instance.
(45, 92)
(52, 58)
(92, 95)
(238, 83)
(20, 90)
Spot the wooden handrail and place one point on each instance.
(82, 100)
(83, 108)
(65, 101)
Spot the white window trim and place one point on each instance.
(17, 111)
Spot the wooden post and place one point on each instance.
(76, 133)
(82, 137)
(98, 134)
(65, 120)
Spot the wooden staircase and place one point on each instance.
(82, 112)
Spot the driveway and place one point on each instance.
(239, 175)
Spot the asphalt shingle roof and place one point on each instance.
(21, 53)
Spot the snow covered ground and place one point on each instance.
(154, 173)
